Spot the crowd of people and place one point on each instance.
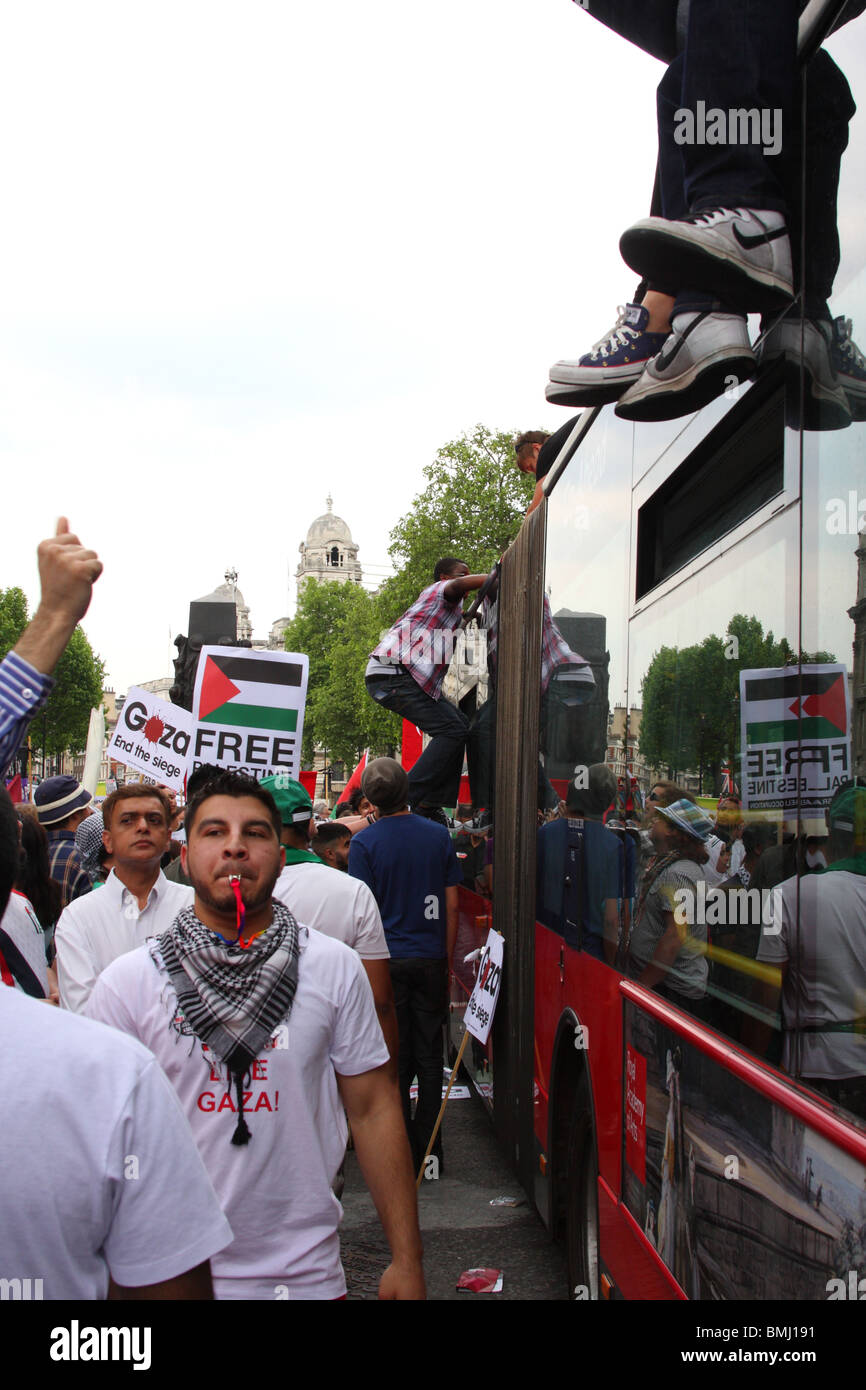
(755, 932)
(201, 1002)
(229, 1013)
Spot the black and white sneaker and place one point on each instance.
(849, 365)
(807, 341)
(737, 255)
(610, 366)
(704, 355)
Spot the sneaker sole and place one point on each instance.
(685, 394)
(670, 258)
(598, 393)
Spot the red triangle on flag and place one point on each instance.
(216, 689)
(831, 705)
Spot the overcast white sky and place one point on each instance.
(250, 254)
(253, 254)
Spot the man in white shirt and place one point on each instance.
(818, 940)
(264, 1027)
(136, 901)
(331, 902)
(101, 1175)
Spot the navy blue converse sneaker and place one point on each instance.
(849, 365)
(611, 365)
(737, 255)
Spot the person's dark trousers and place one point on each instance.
(481, 753)
(651, 24)
(820, 114)
(829, 107)
(739, 54)
(435, 778)
(421, 1003)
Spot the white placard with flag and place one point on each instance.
(248, 710)
(153, 736)
(795, 726)
(482, 1002)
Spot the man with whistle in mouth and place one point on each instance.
(267, 1030)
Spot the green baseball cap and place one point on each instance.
(847, 811)
(293, 802)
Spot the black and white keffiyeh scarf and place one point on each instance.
(230, 997)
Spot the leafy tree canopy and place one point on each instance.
(691, 696)
(337, 626)
(472, 504)
(62, 724)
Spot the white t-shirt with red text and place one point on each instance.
(275, 1190)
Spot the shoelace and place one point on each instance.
(619, 336)
(846, 344)
(706, 215)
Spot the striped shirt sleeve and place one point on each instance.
(23, 690)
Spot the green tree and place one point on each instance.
(690, 697)
(63, 721)
(472, 504)
(337, 626)
(13, 618)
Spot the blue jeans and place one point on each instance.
(435, 778)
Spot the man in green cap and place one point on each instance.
(330, 902)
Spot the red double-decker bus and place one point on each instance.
(691, 1119)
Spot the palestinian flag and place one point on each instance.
(250, 693)
(786, 705)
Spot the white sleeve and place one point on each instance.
(370, 940)
(107, 1005)
(76, 972)
(775, 933)
(165, 1217)
(357, 1045)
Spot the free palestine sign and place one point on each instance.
(249, 710)
(795, 731)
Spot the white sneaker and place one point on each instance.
(736, 255)
(825, 404)
(705, 354)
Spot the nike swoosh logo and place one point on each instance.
(748, 242)
(670, 349)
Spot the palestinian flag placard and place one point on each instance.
(795, 736)
(249, 709)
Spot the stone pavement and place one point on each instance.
(461, 1230)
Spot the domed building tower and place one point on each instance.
(230, 593)
(329, 553)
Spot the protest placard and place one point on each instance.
(795, 726)
(153, 737)
(482, 1002)
(248, 710)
